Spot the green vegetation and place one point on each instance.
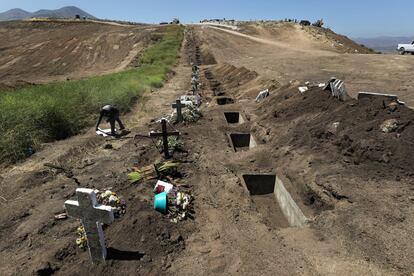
(39, 114)
(174, 143)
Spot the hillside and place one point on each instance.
(15, 14)
(65, 12)
(288, 56)
(39, 52)
(306, 37)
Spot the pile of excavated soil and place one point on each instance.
(348, 131)
(241, 81)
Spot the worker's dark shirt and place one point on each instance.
(109, 112)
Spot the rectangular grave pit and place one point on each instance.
(234, 117)
(224, 101)
(242, 141)
(273, 201)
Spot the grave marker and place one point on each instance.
(179, 106)
(164, 134)
(92, 216)
(337, 88)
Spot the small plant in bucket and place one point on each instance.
(169, 201)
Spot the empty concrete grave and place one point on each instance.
(242, 141)
(273, 201)
(234, 117)
(224, 101)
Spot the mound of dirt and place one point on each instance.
(349, 131)
(39, 52)
(241, 81)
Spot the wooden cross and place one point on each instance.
(164, 134)
(179, 106)
(92, 216)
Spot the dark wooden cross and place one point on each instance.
(164, 134)
(179, 106)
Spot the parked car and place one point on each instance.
(406, 48)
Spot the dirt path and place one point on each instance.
(281, 46)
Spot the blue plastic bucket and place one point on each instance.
(160, 203)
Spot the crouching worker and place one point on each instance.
(111, 114)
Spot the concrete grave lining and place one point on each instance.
(289, 207)
(240, 141)
(371, 95)
(265, 184)
(234, 117)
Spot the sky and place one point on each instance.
(355, 18)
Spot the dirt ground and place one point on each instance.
(304, 58)
(309, 37)
(354, 183)
(40, 52)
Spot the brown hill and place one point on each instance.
(39, 52)
(308, 37)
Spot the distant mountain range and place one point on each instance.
(66, 12)
(384, 44)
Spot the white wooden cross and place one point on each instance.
(92, 216)
(179, 106)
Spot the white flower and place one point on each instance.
(113, 199)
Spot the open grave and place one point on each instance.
(242, 141)
(209, 76)
(198, 55)
(273, 201)
(224, 101)
(234, 117)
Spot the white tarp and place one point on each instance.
(262, 95)
(104, 132)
